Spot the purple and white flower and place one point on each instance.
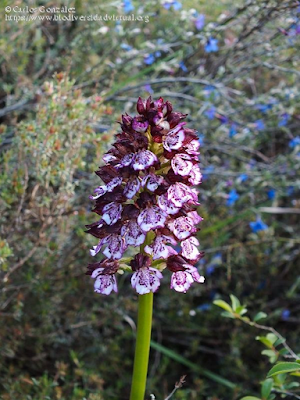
(132, 234)
(167, 205)
(152, 181)
(182, 164)
(195, 175)
(181, 193)
(182, 280)
(111, 213)
(132, 187)
(189, 248)
(146, 280)
(182, 227)
(144, 159)
(151, 218)
(159, 249)
(174, 138)
(115, 247)
(104, 283)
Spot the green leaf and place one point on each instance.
(271, 337)
(283, 368)
(250, 398)
(271, 354)
(224, 305)
(265, 341)
(205, 372)
(260, 315)
(235, 302)
(266, 388)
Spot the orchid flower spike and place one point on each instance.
(147, 201)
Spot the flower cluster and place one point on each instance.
(147, 201)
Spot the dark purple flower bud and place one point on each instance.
(140, 106)
(140, 261)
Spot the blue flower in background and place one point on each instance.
(125, 46)
(259, 125)
(285, 315)
(157, 54)
(264, 107)
(201, 138)
(211, 45)
(294, 142)
(148, 88)
(128, 6)
(204, 307)
(290, 190)
(183, 67)
(258, 225)
(210, 112)
(284, 119)
(232, 197)
(207, 171)
(232, 130)
(271, 194)
(149, 59)
(175, 4)
(200, 22)
(243, 177)
(210, 91)
(223, 119)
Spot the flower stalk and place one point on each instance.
(142, 349)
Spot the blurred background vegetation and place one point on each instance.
(234, 68)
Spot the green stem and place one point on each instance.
(142, 347)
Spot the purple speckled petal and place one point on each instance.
(195, 274)
(111, 213)
(114, 183)
(132, 187)
(189, 248)
(166, 205)
(95, 250)
(151, 218)
(182, 227)
(193, 147)
(182, 164)
(181, 193)
(159, 249)
(144, 159)
(100, 191)
(195, 217)
(133, 234)
(181, 281)
(104, 284)
(146, 280)
(174, 138)
(115, 247)
(152, 181)
(195, 175)
(127, 159)
(108, 158)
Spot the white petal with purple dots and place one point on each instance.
(111, 213)
(151, 218)
(146, 280)
(144, 159)
(189, 248)
(132, 187)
